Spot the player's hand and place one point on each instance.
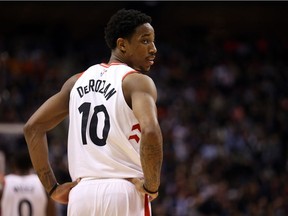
(139, 186)
(61, 193)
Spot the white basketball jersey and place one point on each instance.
(23, 196)
(104, 135)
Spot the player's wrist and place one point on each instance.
(149, 191)
(53, 189)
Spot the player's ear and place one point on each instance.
(121, 44)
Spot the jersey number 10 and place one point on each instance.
(85, 110)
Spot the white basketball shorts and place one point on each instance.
(107, 197)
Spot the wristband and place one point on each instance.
(53, 189)
(148, 191)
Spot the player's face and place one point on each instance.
(141, 49)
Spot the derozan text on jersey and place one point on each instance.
(99, 86)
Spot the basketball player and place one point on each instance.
(114, 140)
(22, 192)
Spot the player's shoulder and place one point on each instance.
(12, 178)
(136, 76)
(70, 82)
(139, 82)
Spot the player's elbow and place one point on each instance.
(152, 133)
(29, 129)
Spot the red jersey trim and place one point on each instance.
(146, 206)
(79, 75)
(130, 72)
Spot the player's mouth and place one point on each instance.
(151, 60)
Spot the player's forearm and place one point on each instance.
(151, 154)
(38, 150)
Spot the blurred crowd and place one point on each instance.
(223, 109)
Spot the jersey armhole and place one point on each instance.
(80, 74)
(130, 72)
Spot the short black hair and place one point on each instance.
(123, 24)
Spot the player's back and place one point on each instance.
(23, 195)
(104, 135)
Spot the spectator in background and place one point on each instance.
(22, 192)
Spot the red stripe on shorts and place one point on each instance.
(146, 206)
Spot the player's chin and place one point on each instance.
(146, 68)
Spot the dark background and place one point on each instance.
(221, 72)
(170, 18)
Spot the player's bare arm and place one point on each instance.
(48, 116)
(141, 95)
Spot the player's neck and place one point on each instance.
(116, 58)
